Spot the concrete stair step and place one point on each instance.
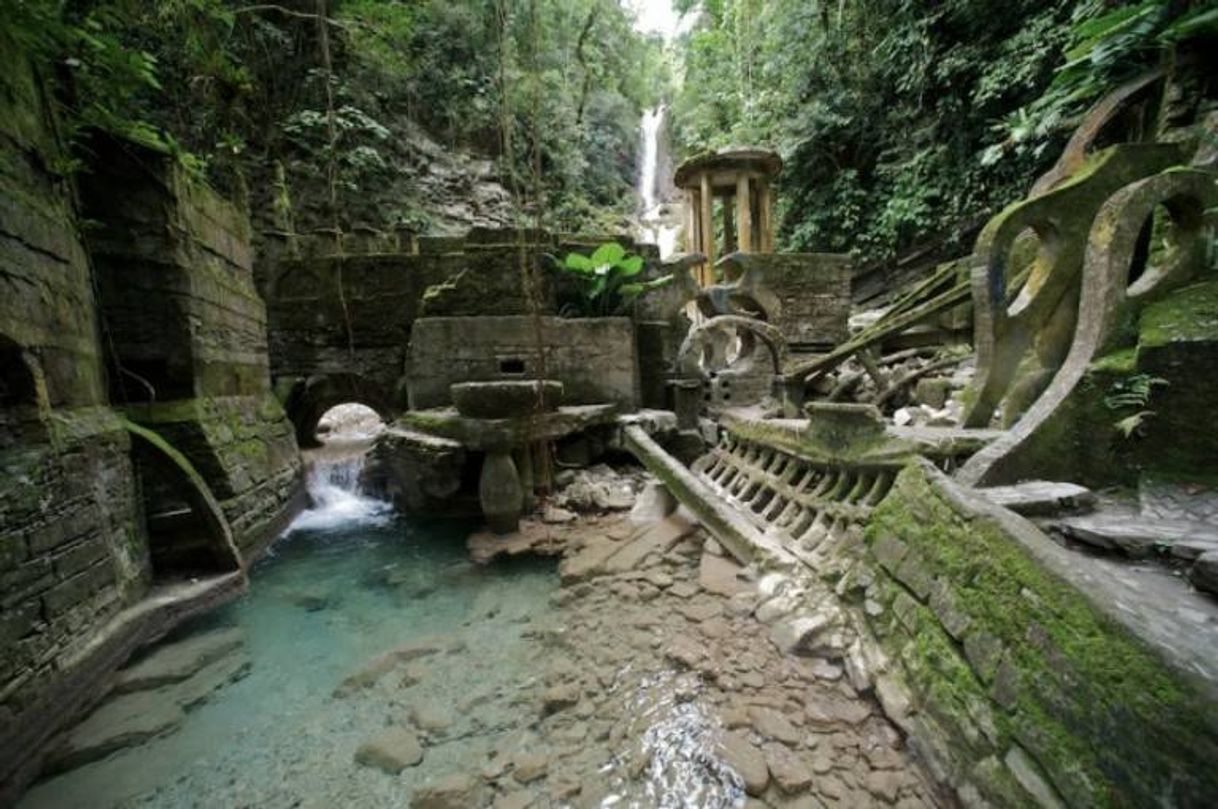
(1042, 498)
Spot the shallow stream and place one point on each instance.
(348, 580)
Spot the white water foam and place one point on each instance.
(335, 491)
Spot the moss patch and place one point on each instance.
(1098, 710)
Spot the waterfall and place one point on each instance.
(652, 121)
(655, 222)
(335, 489)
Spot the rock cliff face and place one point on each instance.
(155, 320)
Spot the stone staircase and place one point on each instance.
(1173, 524)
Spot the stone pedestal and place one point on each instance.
(500, 493)
(687, 402)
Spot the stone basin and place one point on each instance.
(502, 399)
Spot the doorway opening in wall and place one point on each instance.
(186, 539)
(18, 395)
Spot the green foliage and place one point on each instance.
(604, 279)
(1133, 391)
(880, 108)
(1107, 47)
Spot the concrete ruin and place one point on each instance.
(145, 461)
(157, 381)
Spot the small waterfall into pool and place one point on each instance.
(335, 473)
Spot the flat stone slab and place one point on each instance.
(657, 539)
(391, 751)
(1131, 535)
(720, 575)
(131, 719)
(174, 662)
(1041, 498)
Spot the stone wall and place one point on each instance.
(187, 332)
(1015, 679)
(805, 295)
(594, 358)
(72, 546)
(342, 307)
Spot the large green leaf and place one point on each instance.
(608, 253)
(631, 266)
(579, 263)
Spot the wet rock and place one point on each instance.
(174, 662)
(366, 676)
(391, 751)
(657, 539)
(685, 652)
(721, 575)
(211, 678)
(655, 502)
(431, 718)
(553, 515)
(564, 789)
(531, 537)
(746, 761)
(778, 607)
(885, 786)
(1204, 572)
(450, 792)
(770, 724)
(515, 800)
(127, 721)
(699, 611)
(413, 674)
(789, 772)
(528, 767)
(684, 589)
(799, 634)
(559, 698)
(828, 709)
(588, 560)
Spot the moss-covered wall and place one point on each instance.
(187, 332)
(73, 551)
(1017, 678)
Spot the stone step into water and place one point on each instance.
(132, 718)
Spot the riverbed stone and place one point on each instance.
(449, 792)
(174, 662)
(391, 751)
(747, 761)
(788, 770)
(721, 575)
(771, 724)
(529, 767)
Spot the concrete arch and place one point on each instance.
(1107, 294)
(310, 399)
(224, 551)
(768, 334)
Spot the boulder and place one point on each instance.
(392, 750)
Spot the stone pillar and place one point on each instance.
(789, 391)
(524, 465)
(687, 402)
(500, 493)
(707, 230)
(744, 215)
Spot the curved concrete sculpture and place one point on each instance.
(1041, 316)
(771, 336)
(1107, 297)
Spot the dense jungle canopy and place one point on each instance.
(899, 120)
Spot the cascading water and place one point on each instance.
(334, 489)
(656, 225)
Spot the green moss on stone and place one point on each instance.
(1188, 314)
(1085, 682)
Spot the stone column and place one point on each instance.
(687, 402)
(499, 492)
(744, 215)
(524, 465)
